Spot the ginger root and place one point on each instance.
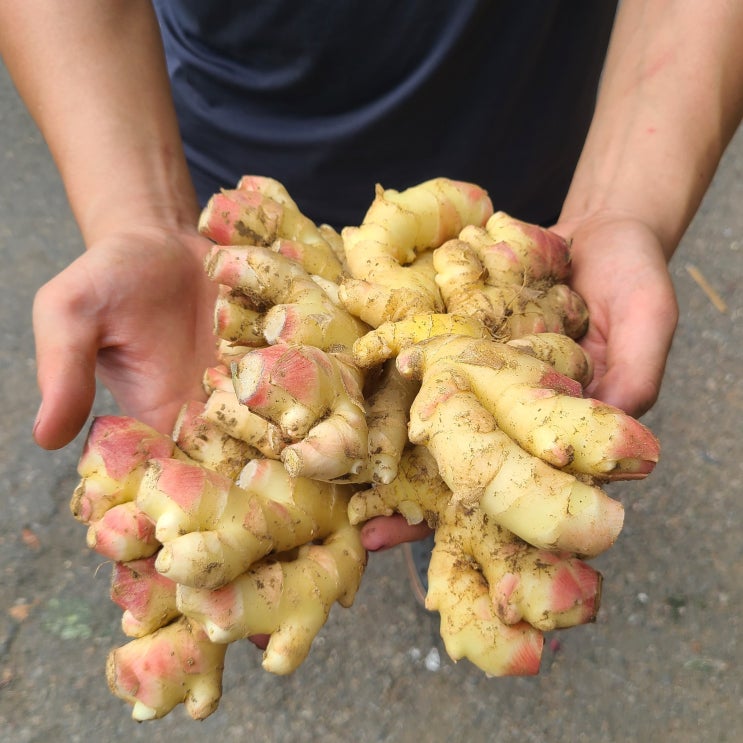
(269, 298)
(212, 530)
(266, 599)
(511, 276)
(261, 212)
(287, 596)
(420, 363)
(512, 434)
(175, 664)
(204, 531)
(494, 592)
(388, 255)
(316, 400)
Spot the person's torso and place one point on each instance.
(333, 97)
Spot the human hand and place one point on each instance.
(620, 270)
(135, 309)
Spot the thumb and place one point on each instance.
(66, 351)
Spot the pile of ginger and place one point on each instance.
(423, 363)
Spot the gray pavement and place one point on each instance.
(662, 662)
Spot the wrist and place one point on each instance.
(620, 186)
(579, 226)
(147, 186)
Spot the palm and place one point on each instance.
(135, 309)
(620, 271)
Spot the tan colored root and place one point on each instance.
(288, 598)
(272, 297)
(316, 399)
(540, 409)
(563, 354)
(511, 276)
(487, 584)
(387, 408)
(386, 341)
(209, 444)
(176, 664)
(491, 416)
(261, 212)
(397, 230)
(212, 529)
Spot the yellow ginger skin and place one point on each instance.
(236, 319)
(209, 444)
(175, 664)
(563, 354)
(494, 592)
(469, 626)
(387, 407)
(317, 247)
(235, 525)
(123, 533)
(146, 597)
(507, 430)
(324, 263)
(544, 506)
(541, 408)
(111, 467)
(316, 400)
(273, 297)
(387, 340)
(286, 597)
(260, 211)
(413, 292)
(511, 276)
(397, 227)
(112, 464)
(225, 411)
(212, 530)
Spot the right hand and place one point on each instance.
(136, 310)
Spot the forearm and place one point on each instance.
(93, 77)
(670, 100)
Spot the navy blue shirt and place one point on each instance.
(333, 97)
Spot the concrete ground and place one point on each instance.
(661, 663)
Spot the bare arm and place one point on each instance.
(671, 98)
(92, 75)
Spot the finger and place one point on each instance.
(636, 358)
(627, 387)
(66, 346)
(383, 532)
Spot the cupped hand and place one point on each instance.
(620, 270)
(135, 310)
